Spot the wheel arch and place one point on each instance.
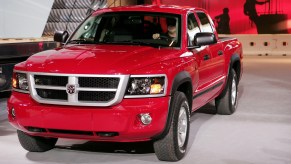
(183, 83)
(235, 63)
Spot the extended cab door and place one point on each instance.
(202, 54)
(210, 65)
(216, 50)
(202, 57)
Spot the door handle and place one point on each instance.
(206, 57)
(220, 52)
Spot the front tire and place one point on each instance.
(226, 104)
(34, 143)
(173, 146)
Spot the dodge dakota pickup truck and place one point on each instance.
(126, 74)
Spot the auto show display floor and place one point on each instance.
(258, 132)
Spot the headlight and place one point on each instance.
(146, 86)
(20, 82)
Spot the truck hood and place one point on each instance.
(98, 59)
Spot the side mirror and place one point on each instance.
(61, 36)
(204, 38)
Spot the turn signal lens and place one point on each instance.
(14, 82)
(156, 89)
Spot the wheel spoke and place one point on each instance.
(181, 114)
(180, 138)
(182, 126)
(233, 92)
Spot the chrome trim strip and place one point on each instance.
(144, 96)
(96, 89)
(32, 90)
(19, 90)
(186, 54)
(49, 87)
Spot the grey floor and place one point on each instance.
(259, 132)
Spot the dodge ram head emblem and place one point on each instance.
(71, 89)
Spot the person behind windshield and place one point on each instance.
(109, 26)
(171, 33)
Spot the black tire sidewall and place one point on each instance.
(232, 76)
(181, 102)
(35, 143)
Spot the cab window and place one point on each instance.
(192, 28)
(205, 22)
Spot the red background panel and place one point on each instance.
(239, 23)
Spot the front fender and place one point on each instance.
(181, 78)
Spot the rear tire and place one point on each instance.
(226, 104)
(34, 143)
(173, 146)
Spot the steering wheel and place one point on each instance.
(164, 38)
(172, 42)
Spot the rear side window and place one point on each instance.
(206, 26)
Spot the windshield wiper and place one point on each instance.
(135, 42)
(79, 41)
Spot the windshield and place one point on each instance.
(136, 28)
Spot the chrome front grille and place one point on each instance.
(76, 89)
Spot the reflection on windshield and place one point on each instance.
(136, 28)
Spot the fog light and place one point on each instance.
(145, 118)
(13, 113)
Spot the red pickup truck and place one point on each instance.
(126, 74)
